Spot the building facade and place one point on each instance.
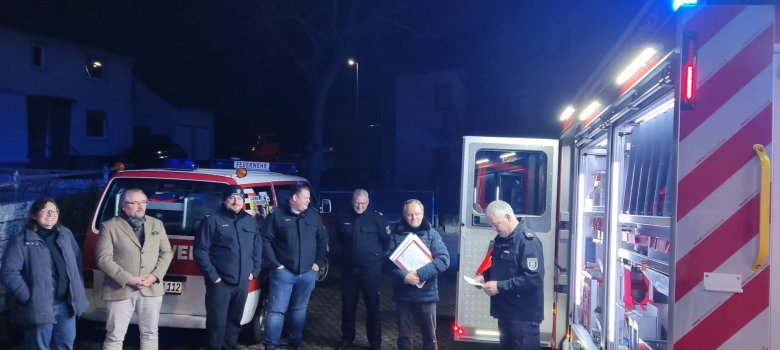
(62, 103)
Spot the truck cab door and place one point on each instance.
(523, 173)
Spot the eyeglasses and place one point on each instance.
(50, 211)
(138, 202)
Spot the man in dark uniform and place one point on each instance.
(363, 235)
(228, 250)
(294, 245)
(514, 279)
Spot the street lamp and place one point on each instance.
(352, 62)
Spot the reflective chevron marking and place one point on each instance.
(717, 208)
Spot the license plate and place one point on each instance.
(173, 287)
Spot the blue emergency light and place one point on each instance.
(179, 164)
(676, 4)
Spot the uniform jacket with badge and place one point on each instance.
(120, 256)
(294, 240)
(518, 267)
(27, 276)
(364, 239)
(228, 246)
(429, 292)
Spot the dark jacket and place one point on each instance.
(428, 273)
(294, 240)
(364, 238)
(518, 267)
(228, 246)
(27, 276)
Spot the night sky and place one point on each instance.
(226, 56)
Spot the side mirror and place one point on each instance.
(325, 206)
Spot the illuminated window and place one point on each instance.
(95, 67)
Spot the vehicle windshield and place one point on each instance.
(179, 204)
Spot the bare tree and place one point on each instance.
(319, 35)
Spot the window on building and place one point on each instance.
(95, 67)
(96, 124)
(442, 96)
(37, 56)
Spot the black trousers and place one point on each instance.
(352, 285)
(224, 308)
(519, 335)
(425, 314)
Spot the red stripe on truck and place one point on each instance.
(727, 319)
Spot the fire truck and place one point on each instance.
(654, 205)
(180, 195)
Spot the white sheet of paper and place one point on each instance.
(413, 259)
(472, 281)
(411, 254)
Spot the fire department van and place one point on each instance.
(654, 206)
(180, 195)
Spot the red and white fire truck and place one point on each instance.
(180, 195)
(654, 206)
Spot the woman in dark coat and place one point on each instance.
(42, 273)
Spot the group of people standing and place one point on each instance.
(513, 279)
(230, 250)
(42, 272)
(367, 240)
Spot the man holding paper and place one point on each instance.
(513, 279)
(418, 256)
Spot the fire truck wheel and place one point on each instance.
(254, 330)
(323, 273)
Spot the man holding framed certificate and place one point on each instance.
(418, 255)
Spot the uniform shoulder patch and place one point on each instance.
(532, 263)
(528, 235)
(387, 229)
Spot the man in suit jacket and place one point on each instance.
(134, 253)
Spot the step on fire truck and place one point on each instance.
(180, 195)
(655, 203)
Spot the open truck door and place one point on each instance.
(524, 173)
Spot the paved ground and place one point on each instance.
(322, 325)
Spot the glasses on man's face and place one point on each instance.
(50, 211)
(137, 203)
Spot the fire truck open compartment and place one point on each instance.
(622, 235)
(665, 244)
(663, 218)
